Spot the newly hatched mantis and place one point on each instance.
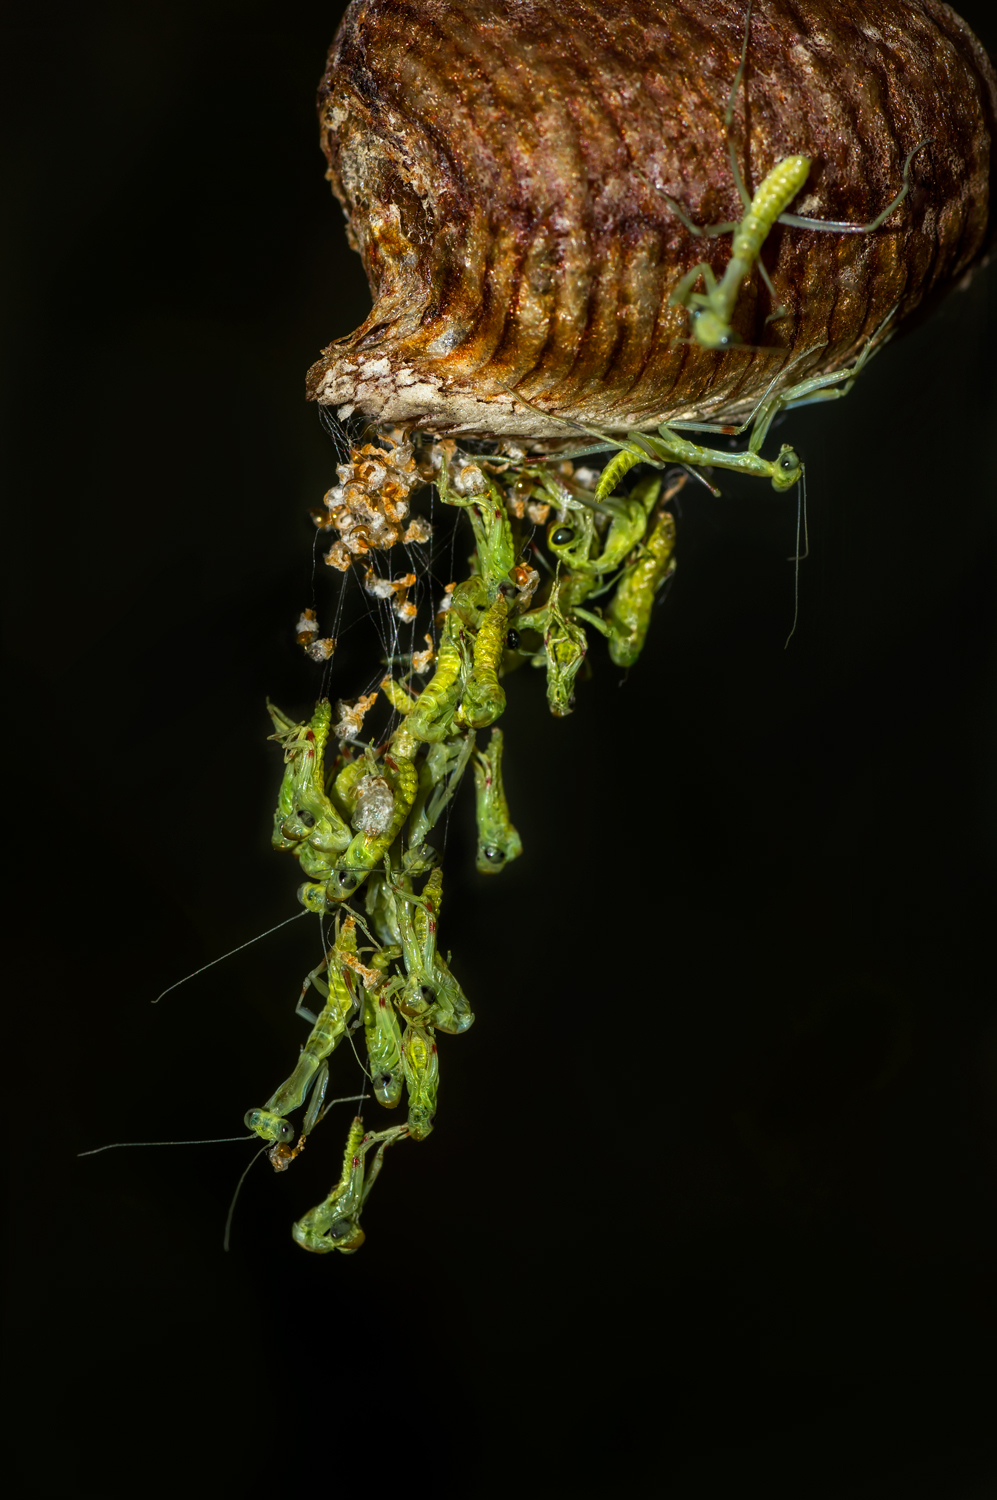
(335, 1223)
(711, 312)
(270, 1122)
(498, 841)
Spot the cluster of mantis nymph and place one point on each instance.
(358, 817)
(359, 822)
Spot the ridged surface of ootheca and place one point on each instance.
(503, 166)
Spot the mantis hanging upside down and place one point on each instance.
(341, 1005)
(335, 1223)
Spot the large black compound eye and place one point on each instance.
(285, 1132)
(789, 461)
(304, 816)
(562, 536)
(426, 994)
(341, 1228)
(494, 856)
(346, 881)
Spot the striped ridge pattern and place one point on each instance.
(503, 166)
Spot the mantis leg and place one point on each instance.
(439, 777)
(682, 293)
(818, 388)
(796, 221)
(282, 1153)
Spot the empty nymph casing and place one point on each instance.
(505, 167)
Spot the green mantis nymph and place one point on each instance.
(667, 446)
(429, 995)
(335, 1223)
(368, 849)
(495, 552)
(482, 700)
(439, 777)
(305, 820)
(565, 647)
(711, 312)
(498, 841)
(629, 613)
(431, 717)
(383, 1036)
(422, 1078)
(330, 1026)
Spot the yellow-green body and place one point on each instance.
(422, 1078)
(383, 1035)
(305, 820)
(270, 1123)
(629, 613)
(335, 1223)
(565, 645)
(712, 311)
(368, 849)
(429, 995)
(432, 715)
(483, 698)
(498, 841)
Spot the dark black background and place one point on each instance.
(713, 1182)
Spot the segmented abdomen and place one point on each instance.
(441, 690)
(484, 699)
(630, 610)
(621, 463)
(775, 192)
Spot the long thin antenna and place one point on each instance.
(229, 954)
(215, 1140)
(235, 1195)
(801, 508)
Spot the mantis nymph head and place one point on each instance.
(312, 897)
(571, 541)
(270, 1127)
(787, 469)
(342, 883)
(298, 825)
(344, 1235)
(711, 331)
(420, 1121)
